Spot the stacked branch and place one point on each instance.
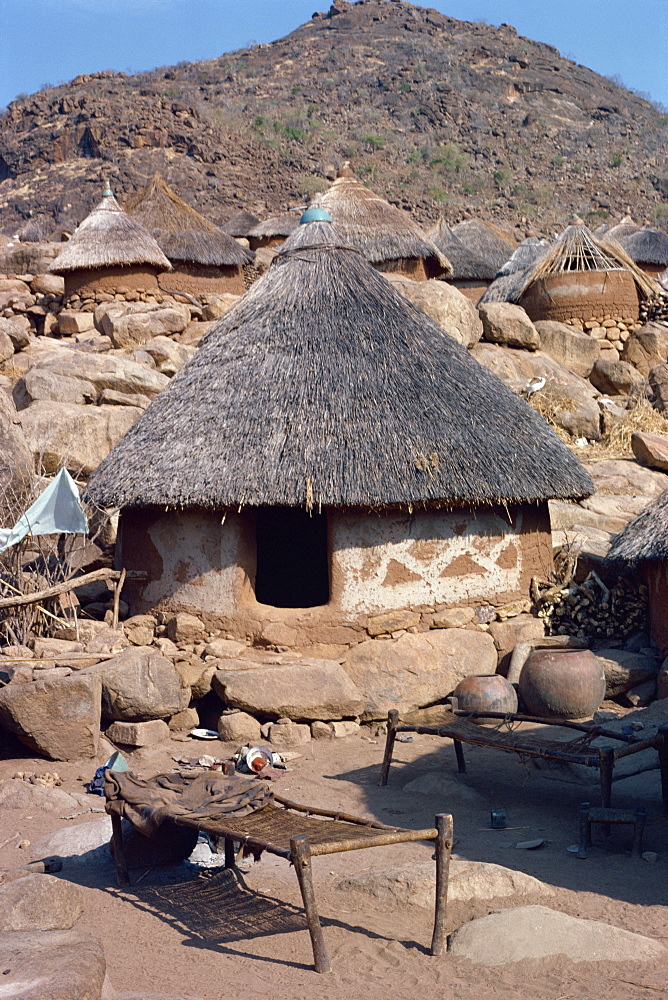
(591, 609)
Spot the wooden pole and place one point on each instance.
(230, 853)
(59, 588)
(663, 764)
(301, 859)
(117, 598)
(459, 754)
(122, 874)
(606, 767)
(443, 851)
(392, 723)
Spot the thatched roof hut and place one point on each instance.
(204, 258)
(110, 250)
(643, 545)
(580, 276)
(486, 241)
(326, 412)
(626, 227)
(476, 250)
(272, 232)
(648, 247)
(384, 234)
(240, 224)
(510, 278)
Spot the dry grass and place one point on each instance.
(549, 404)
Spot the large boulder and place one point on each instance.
(78, 437)
(58, 717)
(17, 329)
(625, 476)
(39, 903)
(6, 346)
(647, 347)
(536, 932)
(51, 965)
(16, 463)
(167, 355)
(624, 670)
(103, 371)
(415, 885)
(658, 380)
(74, 842)
(39, 383)
(416, 670)
(570, 347)
(508, 324)
(139, 684)
(130, 323)
(651, 450)
(615, 378)
(443, 303)
(15, 793)
(305, 690)
(572, 400)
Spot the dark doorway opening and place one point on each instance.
(292, 558)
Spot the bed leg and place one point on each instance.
(301, 859)
(230, 853)
(663, 764)
(607, 763)
(122, 874)
(392, 723)
(443, 852)
(459, 753)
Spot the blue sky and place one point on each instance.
(51, 41)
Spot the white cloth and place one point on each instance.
(58, 510)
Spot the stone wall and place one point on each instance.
(200, 561)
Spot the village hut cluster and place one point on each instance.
(329, 453)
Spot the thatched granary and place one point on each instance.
(625, 227)
(240, 224)
(476, 250)
(204, 259)
(387, 236)
(643, 545)
(580, 276)
(272, 232)
(110, 252)
(331, 453)
(648, 247)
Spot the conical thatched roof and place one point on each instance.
(181, 232)
(380, 231)
(647, 246)
(108, 237)
(576, 249)
(276, 226)
(626, 227)
(488, 243)
(645, 537)
(240, 224)
(324, 386)
(463, 260)
(527, 253)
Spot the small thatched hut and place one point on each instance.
(625, 227)
(387, 236)
(330, 453)
(204, 259)
(510, 278)
(580, 276)
(476, 250)
(643, 545)
(110, 252)
(648, 247)
(240, 224)
(272, 232)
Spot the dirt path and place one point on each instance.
(177, 934)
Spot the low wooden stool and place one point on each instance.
(600, 814)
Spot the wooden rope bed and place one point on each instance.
(577, 751)
(298, 833)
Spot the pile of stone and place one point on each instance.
(612, 331)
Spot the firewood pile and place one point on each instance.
(591, 609)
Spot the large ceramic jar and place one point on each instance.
(486, 693)
(562, 683)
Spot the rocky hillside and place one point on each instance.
(440, 115)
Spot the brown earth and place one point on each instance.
(177, 935)
(440, 115)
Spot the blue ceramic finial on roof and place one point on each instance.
(315, 215)
(107, 193)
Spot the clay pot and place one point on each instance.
(485, 693)
(562, 683)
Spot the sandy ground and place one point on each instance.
(179, 934)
